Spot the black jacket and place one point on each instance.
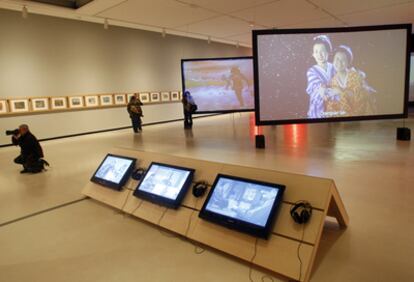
(29, 145)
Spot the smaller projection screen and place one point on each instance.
(219, 85)
(331, 74)
(114, 171)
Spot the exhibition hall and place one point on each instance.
(194, 140)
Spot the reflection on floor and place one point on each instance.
(87, 241)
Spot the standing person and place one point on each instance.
(189, 108)
(319, 76)
(135, 113)
(31, 152)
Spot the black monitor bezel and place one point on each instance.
(239, 225)
(163, 201)
(214, 59)
(124, 179)
(257, 33)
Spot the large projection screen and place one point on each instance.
(331, 74)
(219, 85)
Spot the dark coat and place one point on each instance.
(30, 146)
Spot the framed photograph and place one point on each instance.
(92, 101)
(144, 97)
(3, 107)
(40, 104)
(19, 105)
(120, 99)
(76, 102)
(129, 95)
(58, 103)
(155, 97)
(165, 96)
(181, 95)
(175, 96)
(106, 100)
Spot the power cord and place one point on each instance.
(252, 259)
(298, 252)
(160, 228)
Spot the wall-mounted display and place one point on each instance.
(120, 99)
(58, 103)
(3, 107)
(165, 96)
(19, 105)
(106, 100)
(76, 102)
(155, 97)
(144, 97)
(40, 104)
(114, 171)
(175, 96)
(92, 101)
(165, 184)
(245, 205)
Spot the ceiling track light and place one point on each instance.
(25, 12)
(106, 24)
(164, 33)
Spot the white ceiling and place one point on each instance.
(229, 21)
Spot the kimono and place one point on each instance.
(356, 98)
(318, 79)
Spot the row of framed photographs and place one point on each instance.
(42, 104)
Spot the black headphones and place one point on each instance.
(138, 173)
(200, 188)
(301, 212)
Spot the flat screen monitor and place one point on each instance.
(245, 205)
(219, 84)
(331, 74)
(411, 97)
(114, 171)
(165, 184)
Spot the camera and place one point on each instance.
(12, 132)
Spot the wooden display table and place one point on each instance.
(277, 254)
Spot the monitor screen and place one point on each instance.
(335, 74)
(114, 171)
(411, 97)
(243, 204)
(220, 84)
(165, 184)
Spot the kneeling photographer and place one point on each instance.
(31, 152)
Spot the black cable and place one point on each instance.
(298, 252)
(268, 277)
(160, 230)
(123, 206)
(252, 259)
(138, 206)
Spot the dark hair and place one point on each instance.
(347, 51)
(323, 39)
(132, 98)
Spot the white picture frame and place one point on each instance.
(155, 97)
(4, 109)
(144, 97)
(19, 105)
(76, 102)
(165, 97)
(175, 96)
(40, 104)
(106, 100)
(120, 99)
(91, 101)
(58, 103)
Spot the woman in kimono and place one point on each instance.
(319, 76)
(355, 97)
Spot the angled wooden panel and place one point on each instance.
(178, 221)
(105, 195)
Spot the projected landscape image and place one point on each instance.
(220, 85)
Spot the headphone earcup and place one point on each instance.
(304, 214)
(199, 189)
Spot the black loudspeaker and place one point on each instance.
(260, 141)
(403, 133)
(199, 189)
(301, 212)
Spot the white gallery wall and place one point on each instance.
(45, 56)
